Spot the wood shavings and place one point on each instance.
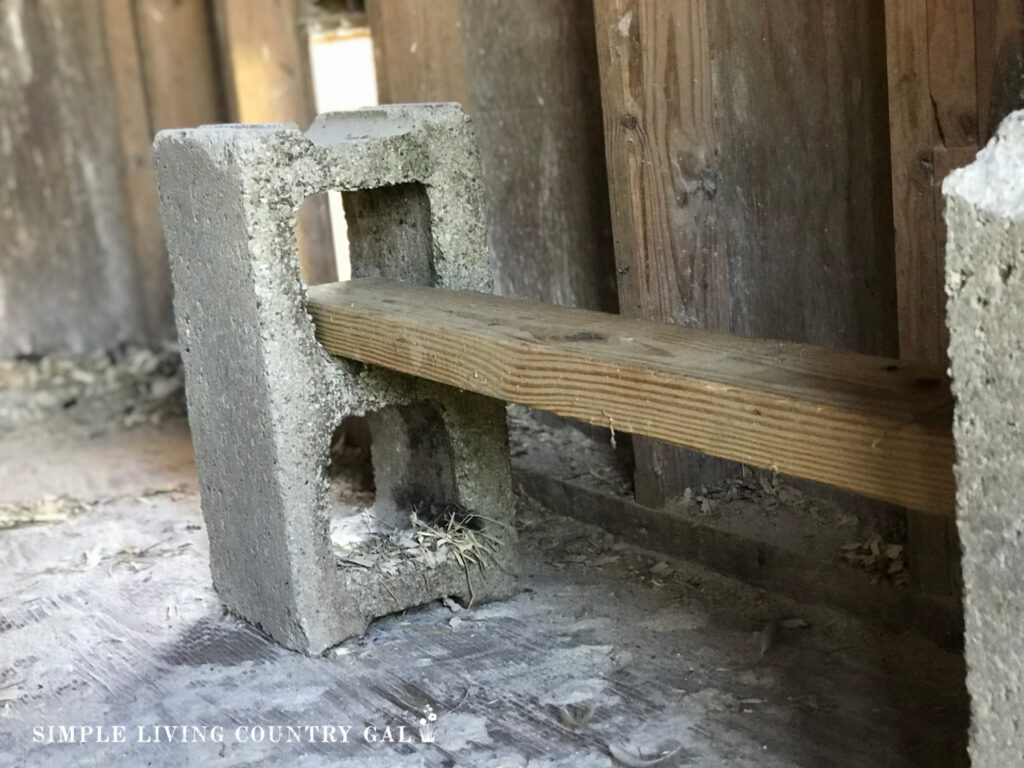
(136, 385)
(49, 509)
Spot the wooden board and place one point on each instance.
(928, 116)
(179, 62)
(860, 422)
(742, 199)
(999, 43)
(417, 50)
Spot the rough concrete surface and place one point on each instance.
(606, 656)
(985, 289)
(264, 398)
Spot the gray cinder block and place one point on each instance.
(985, 290)
(264, 398)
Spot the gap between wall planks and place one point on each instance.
(861, 422)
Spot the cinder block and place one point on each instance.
(985, 291)
(264, 398)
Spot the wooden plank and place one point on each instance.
(741, 198)
(665, 240)
(934, 129)
(913, 136)
(999, 42)
(418, 50)
(951, 55)
(267, 80)
(534, 94)
(660, 150)
(66, 256)
(136, 137)
(266, 62)
(865, 423)
(178, 50)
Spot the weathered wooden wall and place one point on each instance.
(748, 167)
(156, 87)
(84, 87)
(68, 277)
(527, 72)
(956, 69)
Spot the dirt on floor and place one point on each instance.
(608, 656)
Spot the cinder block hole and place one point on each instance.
(378, 232)
(389, 233)
(383, 231)
(413, 484)
(321, 239)
(350, 471)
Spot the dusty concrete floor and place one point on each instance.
(608, 656)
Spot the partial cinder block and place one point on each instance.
(264, 398)
(985, 290)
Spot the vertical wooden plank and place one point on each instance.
(533, 91)
(656, 89)
(267, 80)
(182, 75)
(660, 149)
(418, 50)
(67, 269)
(951, 55)
(954, 95)
(266, 61)
(934, 124)
(913, 136)
(741, 199)
(804, 187)
(136, 139)
(999, 41)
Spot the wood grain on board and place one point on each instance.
(861, 422)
